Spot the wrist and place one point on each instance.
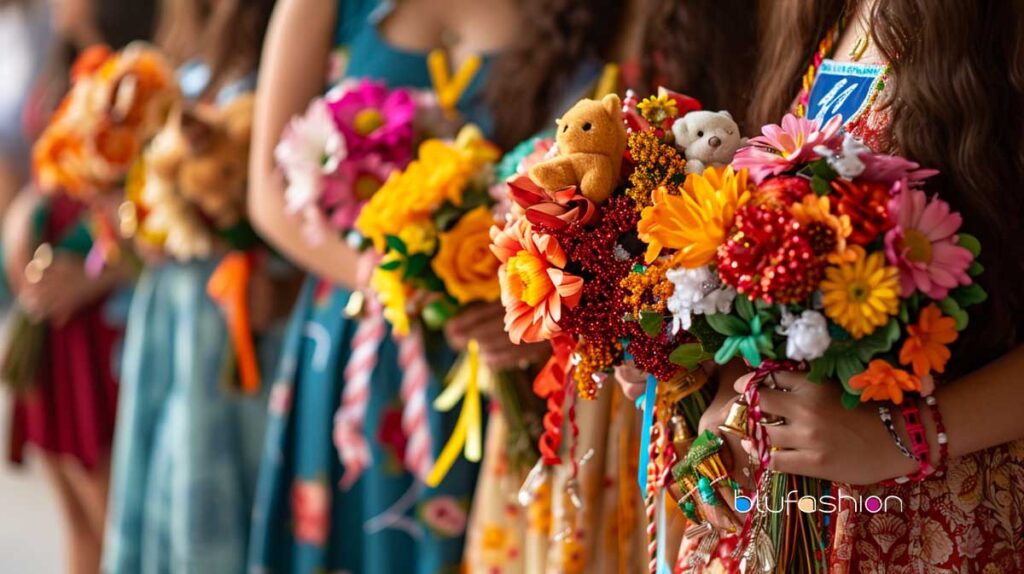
(898, 465)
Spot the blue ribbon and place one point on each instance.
(645, 438)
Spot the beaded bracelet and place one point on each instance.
(885, 414)
(919, 444)
(940, 434)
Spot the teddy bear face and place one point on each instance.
(709, 137)
(592, 126)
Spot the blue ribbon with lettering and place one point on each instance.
(842, 89)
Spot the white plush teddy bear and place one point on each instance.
(707, 138)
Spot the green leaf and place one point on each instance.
(970, 243)
(708, 337)
(821, 368)
(846, 367)
(822, 169)
(975, 269)
(728, 325)
(881, 341)
(415, 265)
(950, 307)
(748, 346)
(395, 243)
(689, 356)
(728, 350)
(745, 308)
(651, 323)
(820, 186)
(850, 401)
(969, 295)
(391, 265)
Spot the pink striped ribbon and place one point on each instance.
(419, 456)
(349, 440)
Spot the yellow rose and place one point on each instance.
(465, 262)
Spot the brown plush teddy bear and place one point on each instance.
(213, 177)
(591, 140)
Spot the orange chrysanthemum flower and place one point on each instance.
(884, 382)
(926, 348)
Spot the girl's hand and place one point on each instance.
(821, 439)
(632, 380)
(63, 289)
(485, 323)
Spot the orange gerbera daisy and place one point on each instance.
(884, 382)
(534, 286)
(926, 348)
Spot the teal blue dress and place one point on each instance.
(186, 448)
(387, 523)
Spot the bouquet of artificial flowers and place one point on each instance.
(117, 101)
(811, 251)
(187, 194)
(339, 153)
(429, 225)
(573, 270)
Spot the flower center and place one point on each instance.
(528, 278)
(821, 237)
(917, 246)
(858, 292)
(367, 121)
(366, 185)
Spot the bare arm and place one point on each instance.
(295, 57)
(822, 439)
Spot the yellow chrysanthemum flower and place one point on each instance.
(862, 294)
(392, 293)
(695, 221)
(657, 109)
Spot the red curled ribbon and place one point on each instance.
(551, 384)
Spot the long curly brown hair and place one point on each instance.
(705, 48)
(956, 95)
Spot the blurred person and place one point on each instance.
(187, 446)
(24, 36)
(67, 412)
(304, 521)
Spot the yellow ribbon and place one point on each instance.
(608, 82)
(450, 89)
(467, 436)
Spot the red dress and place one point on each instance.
(71, 409)
(969, 520)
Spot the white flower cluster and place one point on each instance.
(697, 292)
(806, 335)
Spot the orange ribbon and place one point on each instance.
(229, 288)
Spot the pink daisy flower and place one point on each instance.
(923, 244)
(784, 147)
(375, 120)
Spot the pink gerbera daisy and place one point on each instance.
(923, 244)
(375, 120)
(783, 147)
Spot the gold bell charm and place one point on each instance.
(682, 436)
(736, 422)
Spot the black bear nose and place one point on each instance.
(715, 141)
